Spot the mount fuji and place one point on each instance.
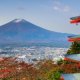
(20, 31)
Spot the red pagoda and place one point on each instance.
(74, 20)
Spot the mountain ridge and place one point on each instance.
(22, 31)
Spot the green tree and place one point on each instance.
(54, 75)
(75, 48)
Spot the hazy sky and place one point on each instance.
(50, 14)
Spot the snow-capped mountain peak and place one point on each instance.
(20, 31)
(19, 20)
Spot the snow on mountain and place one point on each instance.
(18, 20)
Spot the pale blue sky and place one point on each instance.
(50, 14)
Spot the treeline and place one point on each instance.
(11, 69)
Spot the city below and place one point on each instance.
(33, 54)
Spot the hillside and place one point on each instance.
(23, 32)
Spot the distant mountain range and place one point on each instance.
(20, 31)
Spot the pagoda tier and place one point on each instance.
(75, 19)
(74, 38)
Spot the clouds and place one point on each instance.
(61, 9)
(58, 6)
(21, 8)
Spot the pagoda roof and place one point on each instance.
(74, 38)
(76, 17)
(77, 36)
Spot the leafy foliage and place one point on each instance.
(13, 70)
(75, 48)
(10, 69)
